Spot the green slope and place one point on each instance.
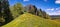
(29, 20)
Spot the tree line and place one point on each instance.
(7, 13)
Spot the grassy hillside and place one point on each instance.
(29, 20)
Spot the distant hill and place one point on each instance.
(55, 16)
(30, 20)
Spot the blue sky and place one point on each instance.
(52, 7)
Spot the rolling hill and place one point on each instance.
(29, 20)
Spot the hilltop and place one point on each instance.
(10, 13)
(29, 20)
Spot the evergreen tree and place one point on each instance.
(5, 11)
(35, 10)
(40, 13)
(0, 10)
(45, 15)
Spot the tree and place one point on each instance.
(0, 9)
(17, 9)
(35, 10)
(31, 9)
(45, 15)
(40, 13)
(5, 11)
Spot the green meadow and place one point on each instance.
(29, 20)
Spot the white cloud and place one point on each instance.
(58, 8)
(54, 11)
(57, 1)
(58, 11)
(25, 0)
(51, 9)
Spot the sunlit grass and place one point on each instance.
(29, 20)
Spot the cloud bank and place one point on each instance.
(57, 1)
(53, 11)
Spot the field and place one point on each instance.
(29, 20)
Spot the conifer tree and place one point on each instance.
(5, 11)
